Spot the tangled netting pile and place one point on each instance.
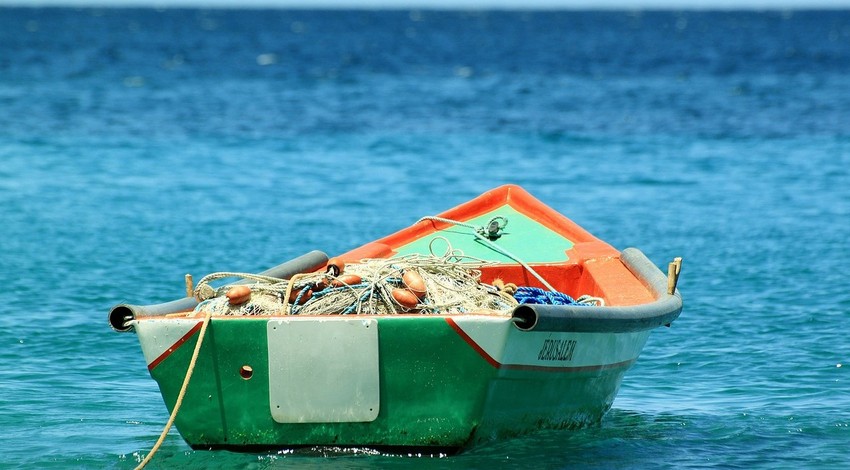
(372, 286)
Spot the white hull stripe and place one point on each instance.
(163, 353)
(499, 361)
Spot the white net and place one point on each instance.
(452, 284)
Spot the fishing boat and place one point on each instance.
(494, 319)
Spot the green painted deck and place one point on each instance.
(524, 237)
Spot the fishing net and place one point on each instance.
(445, 284)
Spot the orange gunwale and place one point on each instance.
(606, 277)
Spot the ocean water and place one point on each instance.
(138, 145)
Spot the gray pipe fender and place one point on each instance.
(122, 314)
(663, 311)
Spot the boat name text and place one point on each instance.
(557, 350)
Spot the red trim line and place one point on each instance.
(174, 346)
(493, 362)
(472, 343)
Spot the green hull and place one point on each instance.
(437, 386)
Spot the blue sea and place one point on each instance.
(138, 145)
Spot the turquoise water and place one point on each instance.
(141, 145)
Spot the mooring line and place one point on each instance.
(179, 395)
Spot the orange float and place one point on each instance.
(405, 298)
(335, 266)
(346, 280)
(238, 295)
(293, 296)
(414, 282)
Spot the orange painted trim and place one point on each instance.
(174, 347)
(511, 195)
(369, 250)
(527, 204)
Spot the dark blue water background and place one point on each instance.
(140, 145)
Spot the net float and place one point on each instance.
(414, 282)
(238, 295)
(346, 280)
(405, 298)
(335, 266)
(293, 296)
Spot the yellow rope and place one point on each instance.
(179, 395)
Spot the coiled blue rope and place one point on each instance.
(535, 295)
